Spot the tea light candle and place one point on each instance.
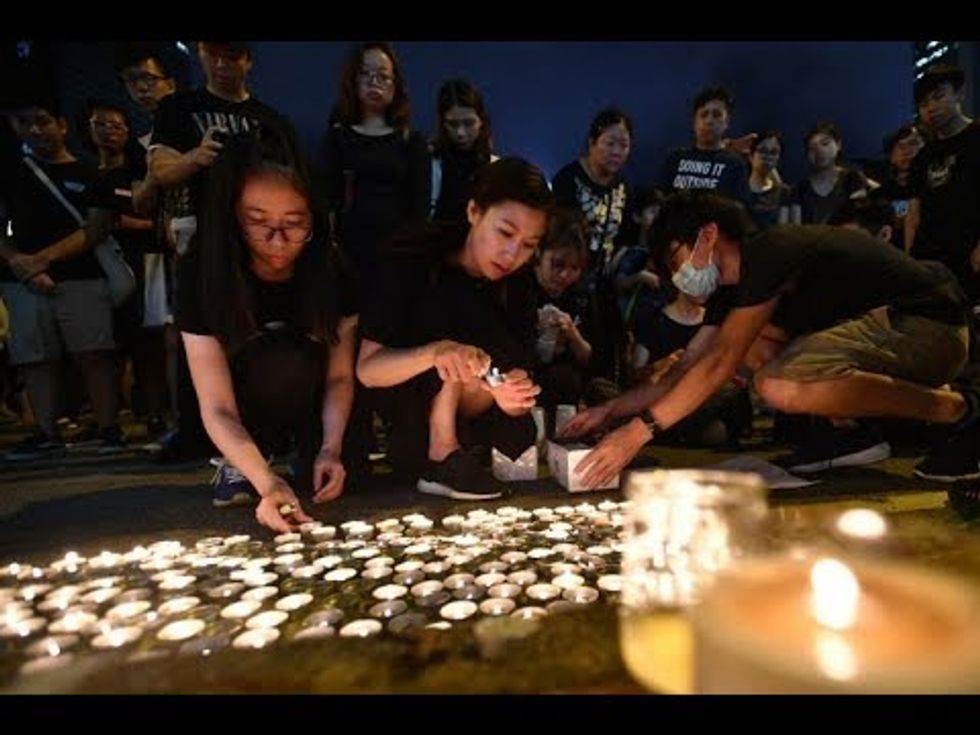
(409, 579)
(379, 561)
(267, 619)
(97, 597)
(513, 557)
(73, 621)
(291, 548)
(179, 605)
(490, 579)
(440, 625)
(240, 609)
(435, 567)
(235, 540)
(260, 593)
(409, 566)
(567, 581)
(257, 638)
(294, 602)
(505, 590)
(610, 582)
(522, 577)
(542, 592)
(493, 567)
(306, 634)
(388, 609)
(224, 591)
(326, 617)
(452, 522)
(389, 592)
(361, 628)
(178, 582)
(340, 574)
(181, 630)
(128, 610)
(784, 625)
(375, 573)
(426, 588)
(306, 572)
(324, 533)
(529, 613)
(118, 637)
(418, 550)
(25, 627)
(53, 645)
(286, 538)
(497, 606)
(458, 610)
(457, 581)
(31, 591)
(540, 553)
(328, 562)
(581, 595)
(286, 560)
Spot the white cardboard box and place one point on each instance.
(521, 469)
(563, 459)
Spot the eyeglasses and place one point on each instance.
(293, 234)
(381, 77)
(143, 78)
(112, 126)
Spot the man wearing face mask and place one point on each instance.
(833, 324)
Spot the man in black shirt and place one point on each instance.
(187, 132)
(834, 322)
(943, 221)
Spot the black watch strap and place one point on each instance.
(650, 422)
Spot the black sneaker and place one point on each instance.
(112, 440)
(831, 447)
(230, 487)
(958, 458)
(36, 446)
(459, 476)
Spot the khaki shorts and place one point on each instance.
(911, 348)
(76, 316)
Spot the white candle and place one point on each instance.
(260, 593)
(581, 595)
(522, 577)
(128, 610)
(179, 605)
(240, 609)
(118, 637)
(497, 606)
(458, 610)
(389, 592)
(257, 638)
(505, 590)
(267, 619)
(791, 625)
(294, 602)
(315, 633)
(361, 628)
(388, 608)
(529, 613)
(340, 574)
(181, 630)
(542, 592)
(426, 588)
(567, 581)
(178, 582)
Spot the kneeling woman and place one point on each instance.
(268, 318)
(449, 305)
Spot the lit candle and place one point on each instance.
(315, 633)
(426, 588)
(529, 613)
(257, 638)
(25, 627)
(260, 593)
(497, 606)
(179, 605)
(267, 619)
(568, 580)
(522, 577)
(505, 590)
(128, 610)
(324, 533)
(178, 582)
(581, 595)
(361, 628)
(259, 579)
(73, 621)
(388, 609)
(118, 637)
(240, 609)
(787, 625)
(181, 630)
(490, 579)
(327, 617)
(294, 602)
(340, 574)
(389, 592)
(458, 581)
(285, 538)
(542, 592)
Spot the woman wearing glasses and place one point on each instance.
(267, 313)
(376, 169)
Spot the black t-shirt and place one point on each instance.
(579, 303)
(946, 179)
(816, 209)
(825, 275)
(665, 335)
(415, 299)
(39, 220)
(181, 121)
(458, 170)
(604, 208)
(275, 305)
(722, 171)
(764, 206)
(118, 184)
(376, 185)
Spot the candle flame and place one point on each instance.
(834, 594)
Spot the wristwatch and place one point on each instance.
(650, 422)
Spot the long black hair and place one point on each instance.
(225, 256)
(510, 179)
(461, 93)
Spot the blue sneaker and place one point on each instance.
(229, 487)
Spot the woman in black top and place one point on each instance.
(446, 308)
(829, 183)
(376, 170)
(268, 319)
(567, 316)
(462, 147)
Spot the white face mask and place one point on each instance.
(698, 283)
